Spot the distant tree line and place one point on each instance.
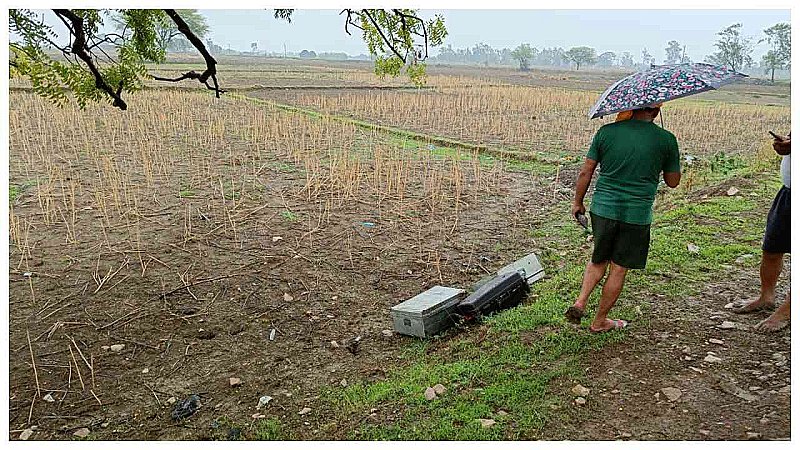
(733, 50)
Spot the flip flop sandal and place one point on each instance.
(574, 315)
(618, 325)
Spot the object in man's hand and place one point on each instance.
(777, 136)
(582, 220)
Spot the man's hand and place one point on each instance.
(782, 145)
(578, 209)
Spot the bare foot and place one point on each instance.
(773, 323)
(753, 306)
(608, 325)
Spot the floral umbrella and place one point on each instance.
(661, 83)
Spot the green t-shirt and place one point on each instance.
(631, 155)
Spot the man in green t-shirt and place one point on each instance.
(632, 155)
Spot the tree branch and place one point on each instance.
(79, 49)
(211, 63)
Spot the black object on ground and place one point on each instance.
(501, 292)
(186, 408)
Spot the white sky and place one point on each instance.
(605, 30)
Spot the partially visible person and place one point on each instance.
(633, 155)
(777, 240)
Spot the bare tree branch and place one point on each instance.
(211, 63)
(79, 49)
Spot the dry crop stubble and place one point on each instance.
(548, 121)
(124, 209)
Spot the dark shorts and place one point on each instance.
(622, 243)
(777, 237)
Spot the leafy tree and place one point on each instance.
(524, 54)
(647, 58)
(398, 39)
(626, 59)
(779, 56)
(607, 59)
(308, 54)
(581, 56)
(734, 50)
(674, 53)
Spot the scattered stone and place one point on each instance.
(730, 305)
(763, 378)
(697, 369)
(439, 389)
(171, 400)
(117, 347)
(186, 407)
(387, 333)
(785, 390)
(704, 432)
(778, 357)
(686, 350)
(48, 398)
(744, 258)
(754, 388)
(276, 238)
(234, 381)
(763, 421)
(272, 334)
(732, 191)
(716, 341)
(105, 347)
(625, 435)
(502, 413)
(145, 370)
(486, 423)
(287, 297)
(81, 433)
(105, 424)
(26, 434)
(672, 393)
(304, 411)
(334, 344)
(728, 325)
(712, 359)
(752, 436)
(693, 248)
(343, 383)
(217, 406)
(580, 391)
(430, 394)
(615, 391)
(263, 401)
(735, 390)
(580, 401)
(258, 416)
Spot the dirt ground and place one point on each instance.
(746, 392)
(311, 283)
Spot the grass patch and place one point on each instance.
(289, 216)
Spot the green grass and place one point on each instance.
(528, 347)
(14, 192)
(289, 216)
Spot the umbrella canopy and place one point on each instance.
(661, 83)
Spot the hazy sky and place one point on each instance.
(605, 30)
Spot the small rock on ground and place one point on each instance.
(486, 423)
(752, 436)
(304, 411)
(580, 401)
(387, 333)
(712, 359)
(580, 391)
(716, 341)
(430, 394)
(439, 389)
(26, 434)
(82, 433)
(672, 393)
(234, 381)
(117, 347)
